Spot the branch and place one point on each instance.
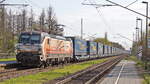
(2, 1)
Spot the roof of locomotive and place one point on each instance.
(44, 34)
(31, 32)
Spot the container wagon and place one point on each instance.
(92, 49)
(99, 49)
(79, 49)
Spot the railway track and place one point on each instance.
(12, 73)
(91, 75)
(22, 71)
(7, 70)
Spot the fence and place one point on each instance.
(6, 55)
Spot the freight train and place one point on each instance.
(43, 49)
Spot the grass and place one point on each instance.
(146, 78)
(9, 59)
(140, 64)
(41, 77)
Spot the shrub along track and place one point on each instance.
(90, 75)
(22, 71)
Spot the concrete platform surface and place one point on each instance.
(7, 62)
(123, 73)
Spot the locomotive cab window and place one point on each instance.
(35, 38)
(30, 38)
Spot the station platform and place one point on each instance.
(7, 62)
(4, 63)
(124, 73)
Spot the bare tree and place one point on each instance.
(23, 20)
(19, 23)
(31, 20)
(42, 20)
(11, 24)
(3, 27)
(10, 21)
(52, 21)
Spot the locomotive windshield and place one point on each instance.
(30, 38)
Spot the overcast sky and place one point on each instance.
(113, 20)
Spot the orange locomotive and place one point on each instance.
(41, 49)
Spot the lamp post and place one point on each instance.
(146, 36)
(81, 28)
(137, 30)
(137, 37)
(141, 28)
(141, 42)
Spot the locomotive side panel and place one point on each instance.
(56, 48)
